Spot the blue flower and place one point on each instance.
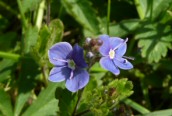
(112, 50)
(69, 66)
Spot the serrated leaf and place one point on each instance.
(30, 39)
(56, 29)
(154, 39)
(5, 104)
(122, 89)
(46, 103)
(30, 5)
(82, 11)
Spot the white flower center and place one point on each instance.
(112, 54)
(71, 64)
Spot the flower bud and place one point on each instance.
(87, 41)
(90, 54)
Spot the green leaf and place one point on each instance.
(56, 29)
(20, 102)
(167, 112)
(7, 40)
(5, 104)
(82, 12)
(153, 9)
(47, 37)
(123, 88)
(26, 83)
(67, 101)
(30, 5)
(6, 69)
(136, 106)
(124, 28)
(154, 39)
(30, 39)
(46, 103)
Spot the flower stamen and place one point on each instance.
(111, 54)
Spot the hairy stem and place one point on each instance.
(9, 55)
(48, 11)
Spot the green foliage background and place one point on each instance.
(28, 28)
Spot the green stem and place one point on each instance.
(22, 14)
(145, 93)
(48, 12)
(40, 14)
(136, 106)
(79, 98)
(139, 9)
(108, 15)
(45, 75)
(10, 55)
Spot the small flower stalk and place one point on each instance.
(70, 65)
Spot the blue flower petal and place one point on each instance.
(59, 52)
(79, 80)
(105, 47)
(78, 56)
(115, 42)
(122, 63)
(108, 64)
(121, 50)
(58, 74)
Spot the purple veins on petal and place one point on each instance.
(108, 64)
(68, 63)
(104, 49)
(79, 80)
(78, 56)
(115, 42)
(58, 74)
(112, 51)
(59, 52)
(123, 63)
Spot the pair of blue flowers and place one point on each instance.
(69, 63)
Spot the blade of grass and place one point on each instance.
(139, 9)
(136, 106)
(167, 112)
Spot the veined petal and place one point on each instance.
(120, 51)
(122, 63)
(79, 80)
(58, 74)
(78, 56)
(108, 64)
(105, 47)
(58, 53)
(115, 42)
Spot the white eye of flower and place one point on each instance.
(112, 54)
(71, 64)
